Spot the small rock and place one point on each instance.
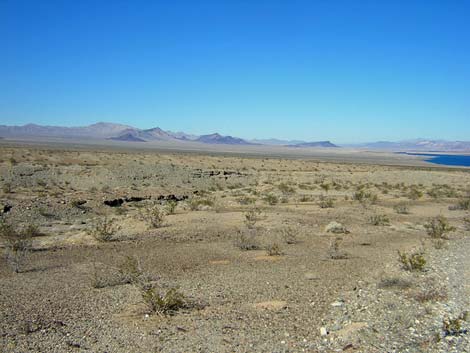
(323, 331)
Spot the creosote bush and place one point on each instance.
(364, 197)
(155, 216)
(438, 227)
(246, 240)
(401, 208)
(18, 244)
(326, 202)
(413, 261)
(251, 217)
(103, 230)
(289, 235)
(196, 202)
(274, 249)
(164, 304)
(271, 199)
(379, 220)
(335, 251)
(170, 206)
(453, 326)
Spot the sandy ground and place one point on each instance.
(303, 288)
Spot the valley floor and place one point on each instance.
(138, 251)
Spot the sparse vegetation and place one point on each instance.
(246, 240)
(402, 208)
(163, 304)
(170, 206)
(155, 216)
(274, 249)
(289, 235)
(104, 229)
(251, 217)
(18, 244)
(326, 202)
(335, 252)
(414, 261)
(365, 197)
(6, 188)
(271, 199)
(379, 220)
(453, 326)
(438, 227)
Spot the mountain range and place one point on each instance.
(126, 133)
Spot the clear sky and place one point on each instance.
(346, 71)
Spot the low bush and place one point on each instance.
(246, 240)
(274, 249)
(271, 199)
(164, 304)
(438, 227)
(103, 230)
(414, 261)
(18, 244)
(379, 220)
(401, 208)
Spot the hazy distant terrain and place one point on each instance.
(125, 133)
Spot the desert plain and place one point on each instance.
(127, 250)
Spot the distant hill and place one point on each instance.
(419, 145)
(126, 133)
(325, 144)
(99, 130)
(219, 139)
(127, 137)
(276, 142)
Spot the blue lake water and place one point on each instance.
(444, 159)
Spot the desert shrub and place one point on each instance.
(285, 188)
(379, 220)
(438, 227)
(246, 240)
(439, 191)
(246, 200)
(364, 197)
(103, 230)
(271, 199)
(155, 216)
(430, 294)
(466, 223)
(289, 235)
(462, 204)
(413, 261)
(196, 202)
(305, 198)
(170, 206)
(128, 271)
(334, 250)
(164, 304)
(415, 194)
(18, 244)
(105, 189)
(453, 326)
(401, 208)
(326, 202)
(6, 188)
(394, 283)
(78, 204)
(274, 249)
(251, 217)
(325, 187)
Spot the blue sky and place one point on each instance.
(347, 71)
